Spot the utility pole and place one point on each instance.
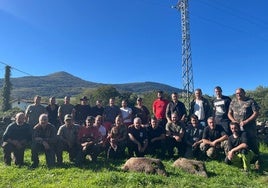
(6, 90)
(187, 69)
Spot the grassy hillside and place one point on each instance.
(108, 174)
(60, 84)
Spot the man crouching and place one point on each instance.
(15, 139)
(44, 139)
(238, 154)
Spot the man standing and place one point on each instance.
(220, 109)
(15, 139)
(52, 110)
(141, 111)
(34, 110)
(176, 106)
(97, 109)
(81, 111)
(66, 108)
(109, 114)
(126, 113)
(159, 109)
(200, 106)
(245, 110)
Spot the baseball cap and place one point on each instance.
(68, 116)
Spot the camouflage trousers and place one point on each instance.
(213, 151)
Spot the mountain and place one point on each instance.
(60, 84)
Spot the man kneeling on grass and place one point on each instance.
(238, 154)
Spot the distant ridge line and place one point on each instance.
(60, 84)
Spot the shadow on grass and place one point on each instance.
(211, 174)
(100, 164)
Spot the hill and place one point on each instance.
(60, 84)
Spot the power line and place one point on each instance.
(234, 13)
(238, 13)
(231, 11)
(14, 68)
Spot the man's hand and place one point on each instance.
(46, 145)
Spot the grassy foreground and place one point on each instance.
(109, 174)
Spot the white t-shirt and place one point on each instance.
(126, 114)
(199, 109)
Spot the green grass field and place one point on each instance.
(109, 174)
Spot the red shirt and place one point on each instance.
(159, 108)
(88, 132)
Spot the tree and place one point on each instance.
(260, 94)
(6, 90)
(101, 93)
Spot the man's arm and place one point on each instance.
(133, 139)
(168, 113)
(230, 115)
(251, 118)
(219, 140)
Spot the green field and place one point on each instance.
(109, 174)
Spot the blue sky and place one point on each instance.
(122, 41)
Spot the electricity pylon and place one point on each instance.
(187, 68)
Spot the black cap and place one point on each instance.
(139, 99)
(84, 98)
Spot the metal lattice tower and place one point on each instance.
(187, 69)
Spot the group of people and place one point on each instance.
(223, 126)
